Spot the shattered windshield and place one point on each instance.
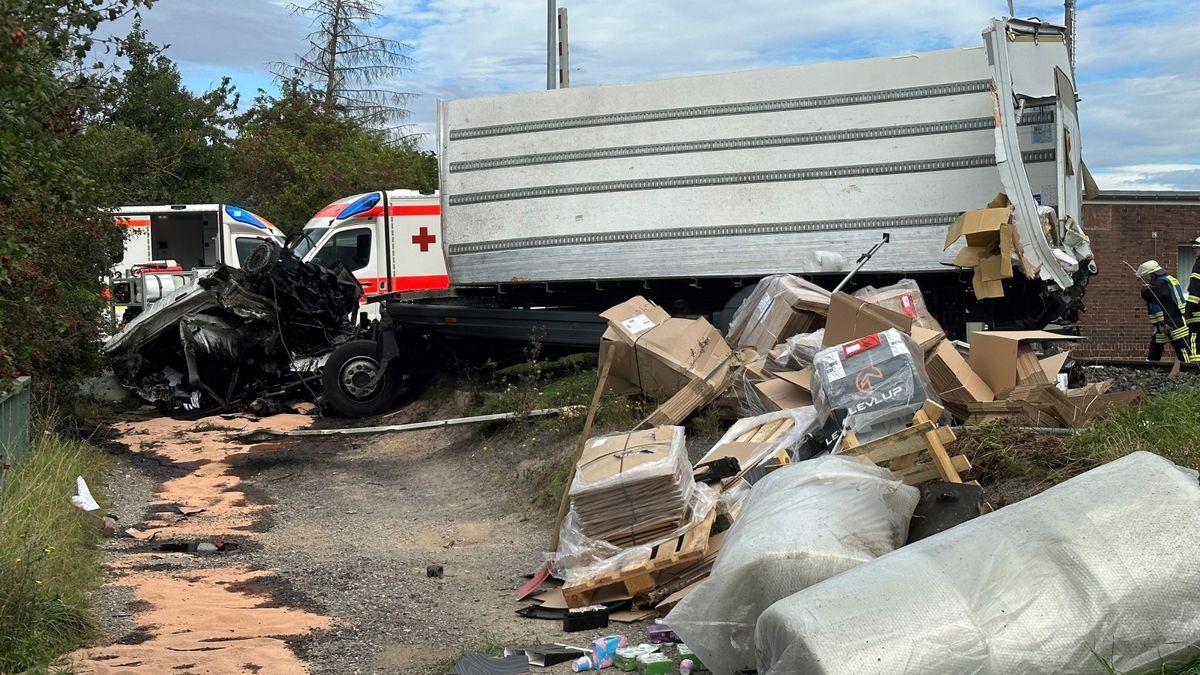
(306, 240)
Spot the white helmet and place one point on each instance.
(1196, 242)
(1148, 267)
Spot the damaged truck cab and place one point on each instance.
(557, 204)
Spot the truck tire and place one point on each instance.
(349, 368)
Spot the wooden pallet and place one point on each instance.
(903, 449)
(639, 577)
(749, 457)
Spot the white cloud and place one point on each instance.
(1149, 177)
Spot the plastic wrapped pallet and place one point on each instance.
(905, 297)
(1103, 566)
(871, 385)
(630, 488)
(800, 525)
(780, 306)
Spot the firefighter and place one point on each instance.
(1192, 315)
(1166, 304)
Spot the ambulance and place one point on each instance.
(166, 246)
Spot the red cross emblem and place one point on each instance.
(424, 239)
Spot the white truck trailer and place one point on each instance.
(556, 204)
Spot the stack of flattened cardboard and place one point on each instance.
(685, 363)
(779, 307)
(633, 488)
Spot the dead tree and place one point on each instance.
(350, 71)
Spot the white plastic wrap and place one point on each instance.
(796, 353)
(580, 556)
(801, 524)
(871, 384)
(803, 421)
(780, 306)
(904, 297)
(1104, 566)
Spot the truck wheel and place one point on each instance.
(346, 375)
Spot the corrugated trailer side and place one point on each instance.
(739, 174)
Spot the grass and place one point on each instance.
(488, 644)
(1167, 424)
(48, 559)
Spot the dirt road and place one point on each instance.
(334, 539)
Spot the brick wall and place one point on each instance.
(1115, 321)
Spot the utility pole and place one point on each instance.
(564, 50)
(1069, 9)
(551, 44)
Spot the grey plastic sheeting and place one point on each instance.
(1103, 567)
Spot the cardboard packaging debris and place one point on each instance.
(684, 362)
(780, 306)
(1100, 566)
(990, 241)
(851, 318)
(904, 297)
(786, 390)
(1004, 359)
(631, 488)
(953, 379)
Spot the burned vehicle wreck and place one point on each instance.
(238, 339)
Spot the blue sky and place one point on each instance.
(1138, 62)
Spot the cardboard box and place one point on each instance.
(780, 394)
(780, 306)
(989, 235)
(659, 355)
(1004, 358)
(953, 379)
(904, 297)
(851, 318)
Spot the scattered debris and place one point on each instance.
(546, 655)
(591, 617)
(482, 664)
(234, 339)
(199, 547)
(434, 571)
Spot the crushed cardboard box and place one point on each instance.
(990, 239)
(1005, 359)
(904, 297)
(780, 306)
(684, 362)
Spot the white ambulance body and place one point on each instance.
(183, 237)
(391, 241)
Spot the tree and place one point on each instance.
(291, 158)
(55, 243)
(155, 141)
(350, 70)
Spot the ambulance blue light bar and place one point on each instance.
(243, 216)
(361, 205)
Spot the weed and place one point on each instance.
(48, 557)
(488, 644)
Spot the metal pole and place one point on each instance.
(551, 40)
(862, 260)
(1011, 12)
(1069, 10)
(564, 50)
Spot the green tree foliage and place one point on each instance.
(154, 141)
(55, 243)
(291, 158)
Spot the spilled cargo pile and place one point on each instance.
(236, 338)
(844, 452)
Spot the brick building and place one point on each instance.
(1132, 227)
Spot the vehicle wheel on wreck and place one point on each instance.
(349, 382)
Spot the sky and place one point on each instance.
(1138, 63)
